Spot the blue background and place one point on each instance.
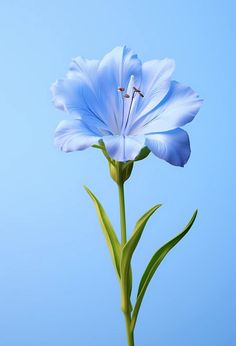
(57, 285)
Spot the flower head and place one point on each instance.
(126, 104)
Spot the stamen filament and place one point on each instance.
(130, 106)
(127, 96)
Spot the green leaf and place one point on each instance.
(109, 233)
(154, 264)
(127, 253)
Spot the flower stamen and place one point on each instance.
(136, 90)
(121, 89)
(127, 96)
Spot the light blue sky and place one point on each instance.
(57, 286)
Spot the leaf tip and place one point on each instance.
(195, 214)
(157, 206)
(86, 188)
(88, 191)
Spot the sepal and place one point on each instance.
(120, 171)
(143, 154)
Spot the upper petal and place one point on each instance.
(77, 93)
(178, 108)
(72, 96)
(123, 148)
(114, 71)
(156, 78)
(116, 68)
(68, 96)
(172, 146)
(72, 135)
(84, 69)
(78, 88)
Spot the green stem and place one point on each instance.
(122, 213)
(130, 335)
(126, 309)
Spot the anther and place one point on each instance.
(141, 94)
(137, 90)
(126, 96)
(121, 89)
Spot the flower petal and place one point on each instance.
(156, 79)
(172, 146)
(76, 98)
(68, 95)
(84, 69)
(77, 93)
(123, 148)
(178, 108)
(116, 68)
(72, 135)
(114, 71)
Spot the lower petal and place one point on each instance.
(123, 148)
(172, 146)
(72, 135)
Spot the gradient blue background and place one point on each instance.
(57, 286)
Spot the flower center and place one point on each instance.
(130, 100)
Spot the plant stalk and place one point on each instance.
(126, 309)
(129, 333)
(122, 213)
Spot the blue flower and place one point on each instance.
(126, 104)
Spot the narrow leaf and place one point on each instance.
(154, 264)
(128, 251)
(109, 233)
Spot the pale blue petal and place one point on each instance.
(72, 135)
(178, 108)
(71, 96)
(77, 93)
(67, 96)
(172, 146)
(123, 148)
(114, 71)
(84, 69)
(116, 68)
(156, 79)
